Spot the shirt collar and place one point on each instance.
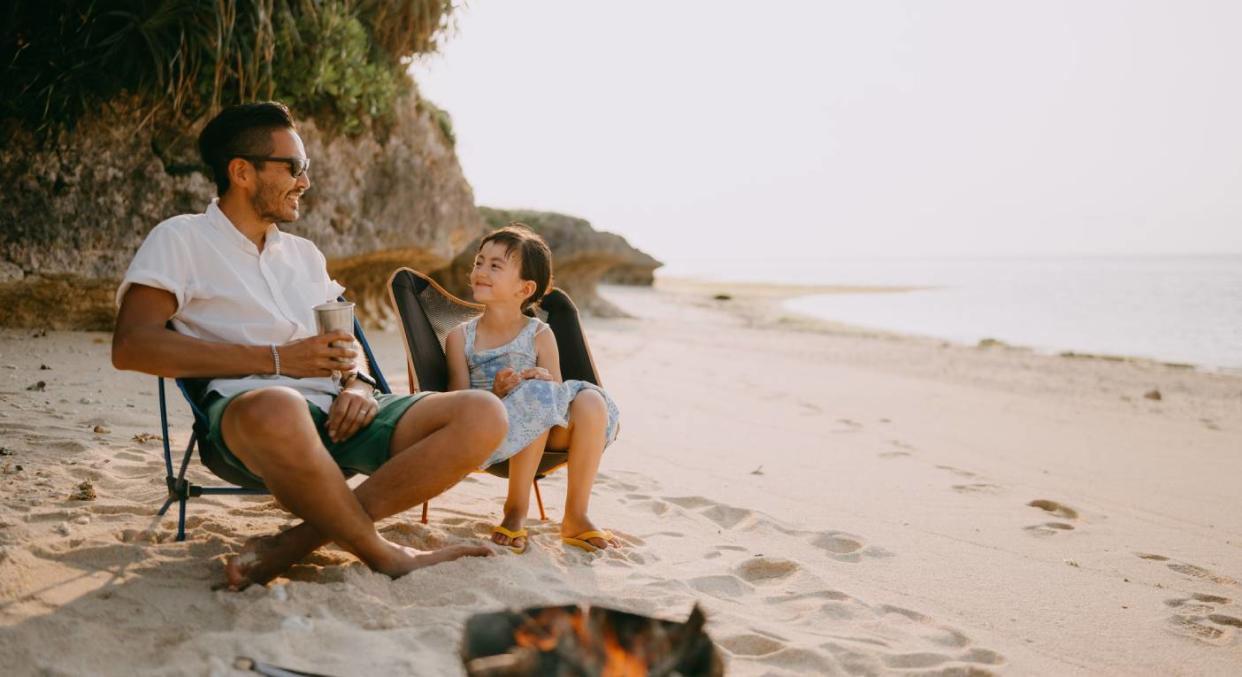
(220, 221)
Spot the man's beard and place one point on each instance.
(269, 203)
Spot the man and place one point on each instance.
(240, 293)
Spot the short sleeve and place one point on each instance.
(163, 262)
(332, 288)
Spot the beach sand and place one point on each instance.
(839, 501)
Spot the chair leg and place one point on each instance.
(425, 504)
(181, 522)
(543, 517)
(167, 503)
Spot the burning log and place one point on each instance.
(573, 641)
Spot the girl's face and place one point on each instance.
(496, 276)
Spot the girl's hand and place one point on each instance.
(506, 380)
(537, 374)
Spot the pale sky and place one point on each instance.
(732, 130)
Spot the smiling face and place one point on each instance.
(496, 276)
(277, 194)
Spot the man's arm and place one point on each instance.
(143, 343)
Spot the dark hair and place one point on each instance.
(240, 130)
(535, 256)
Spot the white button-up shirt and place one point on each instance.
(229, 292)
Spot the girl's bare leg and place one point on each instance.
(584, 438)
(522, 468)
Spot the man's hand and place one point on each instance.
(506, 380)
(314, 357)
(351, 411)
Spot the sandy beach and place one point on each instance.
(838, 501)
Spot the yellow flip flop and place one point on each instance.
(520, 533)
(583, 542)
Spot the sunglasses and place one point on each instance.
(297, 165)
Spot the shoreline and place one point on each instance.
(764, 302)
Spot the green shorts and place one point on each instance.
(364, 452)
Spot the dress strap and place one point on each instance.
(470, 329)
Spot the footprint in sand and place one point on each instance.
(977, 488)
(1195, 628)
(727, 516)
(1198, 603)
(1055, 508)
(1199, 572)
(849, 426)
(809, 409)
(1186, 569)
(751, 645)
(762, 569)
(724, 586)
(844, 547)
(1048, 528)
(1199, 617)
(957, 471)
(724, 516)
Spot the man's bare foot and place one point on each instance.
(265, 558)
(572, 526)
(240, 569)
(513, 521)
(417, 559)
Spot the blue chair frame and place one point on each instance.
(180, 490)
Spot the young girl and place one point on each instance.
(512, 353)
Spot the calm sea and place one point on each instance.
(1180, 309)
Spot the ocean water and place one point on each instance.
(1185, 309)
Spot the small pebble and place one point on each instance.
(37, 387)
(86, 400)
(1153, 395)
(44, 367)
(62, 529)
(82, 519)
(101, 430)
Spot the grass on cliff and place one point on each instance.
(341, 61)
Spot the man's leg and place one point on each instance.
(438, 441)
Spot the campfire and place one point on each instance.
(565, 641)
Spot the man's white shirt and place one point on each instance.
(229, 292)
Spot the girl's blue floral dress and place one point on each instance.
(534, 406)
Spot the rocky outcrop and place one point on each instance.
(75, 208)
(582, 257)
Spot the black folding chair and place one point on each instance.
(429, 312)
(180, 489)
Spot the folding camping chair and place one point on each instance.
(179, 488)
(428, 313)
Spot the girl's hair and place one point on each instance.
(534, 254)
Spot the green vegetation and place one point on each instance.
(443, 120)
(340, 61)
